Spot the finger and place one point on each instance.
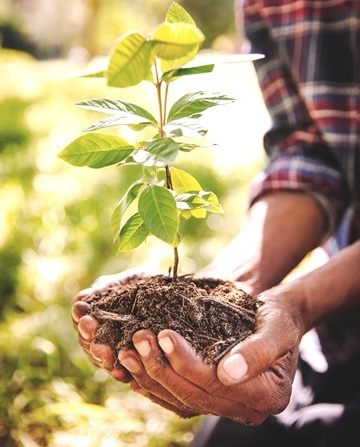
(79, 309)
(276, 336)
(143, 383)
(265, 394)
(121, 375)
(189, 365)
(252, 395)
(87, 326)
(188, 393)
(103, 355)
(92, 360)
(184, 360)
(85, 345)
(268, 392)
(181, 412)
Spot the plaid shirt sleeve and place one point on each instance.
(300, 85)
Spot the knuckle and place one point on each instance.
(142, 384)
(155, 369)
(197, 401)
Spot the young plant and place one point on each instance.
(164, 194)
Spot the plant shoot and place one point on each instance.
(164, 194)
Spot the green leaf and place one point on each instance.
(158, 152)
(124, 113)
(198, 213)
(134, 121)
(92, 74)
(138, 127)
(194, 200)
(176, 40)
(117, 107)
(122, 206)
(131, 60)
(193, 104)
(132, 234)
(158, 209)
(176, 13)
(150, 174)
(96, 150)
(187, 127)
(182, 181)
(168, 65)
(176, 73)
(213, 202)
(188, 147)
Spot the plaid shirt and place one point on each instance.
(310, 79)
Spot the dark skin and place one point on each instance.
(255, 378)
(176, 385)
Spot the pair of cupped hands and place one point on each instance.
(250, 382)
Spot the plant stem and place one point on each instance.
(176, 264)
(176, 253)
(169, 184)
(165, 101)
(160, 100)
(162, 112)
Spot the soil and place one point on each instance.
(211, 314)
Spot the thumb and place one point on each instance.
(276, 337)
(248, 359)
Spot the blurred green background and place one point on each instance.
(55, 236)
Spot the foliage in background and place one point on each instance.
(92, 25)
(215, 18)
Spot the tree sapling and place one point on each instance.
(164, 194)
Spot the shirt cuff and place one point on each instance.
(328, 210)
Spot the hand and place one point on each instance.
(251, 382)
(100, 355)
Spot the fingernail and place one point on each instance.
(84, 334)
(166, 345)
(130, 364)
(79, 309)
(143, 348)
(235, 367)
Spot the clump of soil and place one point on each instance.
(211, 314)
